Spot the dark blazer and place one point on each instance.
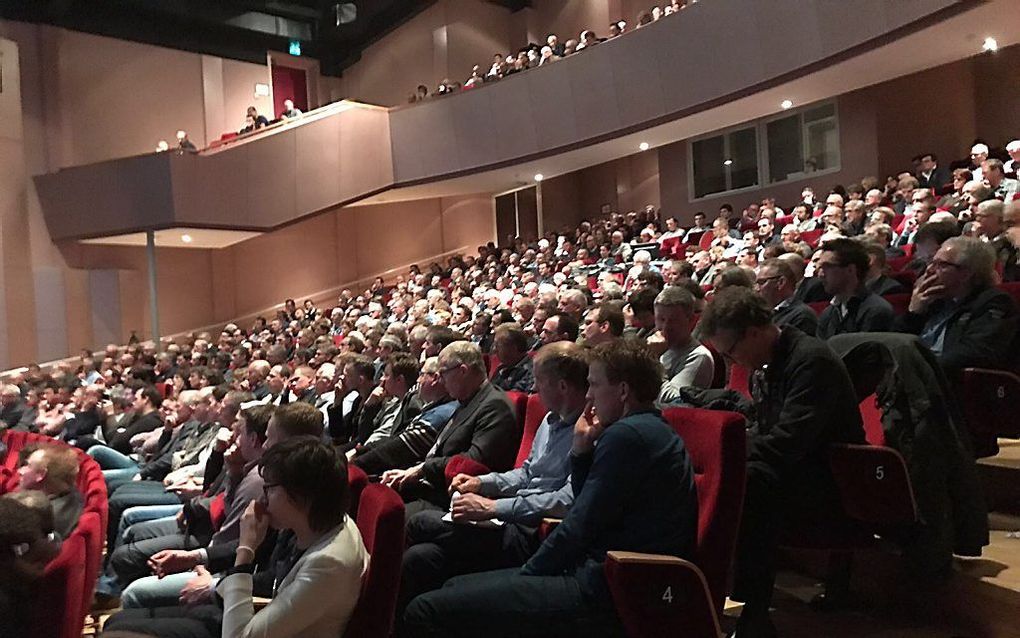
(805, 401)
(981, 331)
(939, 177)
(867, 312)
(797, 314)
(11, 415)
(121, 440)
(484, 429)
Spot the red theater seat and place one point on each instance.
(991, 403)
(739, 380)
(356, 482)
(381, 523)
(899, 302)
(664, 595)
(520, 402)
(811, 237)
(56, 608)
(92, 535)
(533, 416)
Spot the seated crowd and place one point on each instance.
(536, 55)
(226, 459)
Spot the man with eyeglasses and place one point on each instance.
(483, 429)
(843, 269)
(805, 401)
(776, 283)
(958, 312)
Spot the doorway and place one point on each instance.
(289, 83)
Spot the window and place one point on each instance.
(794, 146)
(725, 162)
(802, 143)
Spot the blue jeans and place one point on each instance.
(140, 514)
(118, 477)
(151, 591)
(110, 459)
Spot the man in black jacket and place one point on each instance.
(147, 402)
(957, 311)
(842, 268)
(484, 429)
(805, 401)
(516, 371)
(634, 491)
(777, 283)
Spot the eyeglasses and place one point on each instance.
(443, 371)
(727, 353)
(764, 280)
(266, 486)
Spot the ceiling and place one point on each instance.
(237, 29)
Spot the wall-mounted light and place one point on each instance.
(786, 104)
(990, 45)
(539, 177)
(261, 89)
(643, 146)
(186, 238)
(728, 162)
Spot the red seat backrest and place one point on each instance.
(56, 607)
(716, 441)
(1013, 288)
(14, 442)
(811, 237)
(381, 523)
(872, 417)
(818, 306)
(519, 400)
(705, 241)
(356, 482)
(534, 414)
(217, 510)
(493, 364)
(92, 535)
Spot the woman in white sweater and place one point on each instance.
(305, 492)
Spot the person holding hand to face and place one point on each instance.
(633, 487)
(520, 498)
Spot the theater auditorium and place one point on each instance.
(347, 319)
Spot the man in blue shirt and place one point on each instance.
(509, 505)
(633, 487)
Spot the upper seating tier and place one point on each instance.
(346, 152)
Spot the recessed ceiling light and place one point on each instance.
(643, 146)
(539, 177)
(786, 104)
(727, 162)
(990, 44)
(186, 238)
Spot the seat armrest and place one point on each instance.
(260, 602)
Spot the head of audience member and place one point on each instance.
(603, 323)
(430, 382)
(561, 378)
(623, 378)
(989, 217)
(674, 314)
(931, 236)
(876, 259)
(842, 267)
(962, 265)
(399, 375)
(642, 308)
(993, 172)
(978, 154)
(147, 399)
(510, 343)
(573, 302)
(294, 473)
(28, 541)
(739, 325)
(51, 469)
(293, 420)
(1011, 223)
(462, 369)
(250, 428)
(880, 234)
(302, 380)
(10, 395)
(740, 275)
(776, 281)
(559, 326)
(325, 378)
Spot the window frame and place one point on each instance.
(725, 134)
(760, 127)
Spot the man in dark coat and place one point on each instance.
(805, 401)
(777, 283)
